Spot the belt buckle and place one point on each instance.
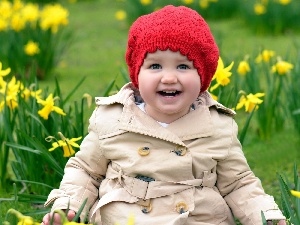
(145, 178)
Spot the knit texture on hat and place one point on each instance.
(177, 29)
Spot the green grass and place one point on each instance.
(8, 200)
(97, 53)
(272, 157)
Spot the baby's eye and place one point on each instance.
(183, 67)
(155, 66)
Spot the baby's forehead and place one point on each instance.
(159, 54)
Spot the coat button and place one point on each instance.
(144, 151)
(181, 207)
(146, 209)
(146, 205)
(180, 150)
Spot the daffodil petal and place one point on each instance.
(59, 110)
(295, 193)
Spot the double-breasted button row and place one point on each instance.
(146, 206)
(178, 150)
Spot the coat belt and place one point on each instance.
(139, 189)
(153, 189)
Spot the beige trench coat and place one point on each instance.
(191, 172)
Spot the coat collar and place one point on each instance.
(196, 124)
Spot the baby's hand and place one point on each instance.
(55, 219)
(280, 222)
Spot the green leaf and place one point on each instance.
(22, 147)
(297, 188)
(245, 128)
(45, 153)
(73, 91)
(32, 198)
(263, 218)
(39, 183)
(109, 88)
(80, 210)
(40, 211)
(286, 198)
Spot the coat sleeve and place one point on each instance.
(82, 175)
(241, 189)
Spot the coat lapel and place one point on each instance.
(135, 120)
(196, 124)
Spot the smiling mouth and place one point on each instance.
(169, 93)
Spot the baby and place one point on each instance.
(162, 149)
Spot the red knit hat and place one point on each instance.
(178, 29)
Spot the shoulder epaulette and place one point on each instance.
(222, 109)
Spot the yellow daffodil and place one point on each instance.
(17, 22)
(250, 101)
(53, 16)
(265, 56)
(17, 5)
(36, 94)
(11, 90)
(75, 223)
(25, 93)
(130, 220)
(3, 24)
(120, 15)
(31, 48)
(30, 12)
(66, 145)
(284, 2)
(222, 74)
(203, 4)
(27, 220)
(187, 2)
(88, 98)
(2, 83)
(23, 220)
(295, 193)
(11, 101)
(259, 9)
(282, 67)
(6, 9)
(243, 68)
(5, 72)
(146, 2)
(64, 219)
(2, 104)
(49, 107)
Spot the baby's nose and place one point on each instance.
(169, 77)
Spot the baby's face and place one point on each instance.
(169, 84)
